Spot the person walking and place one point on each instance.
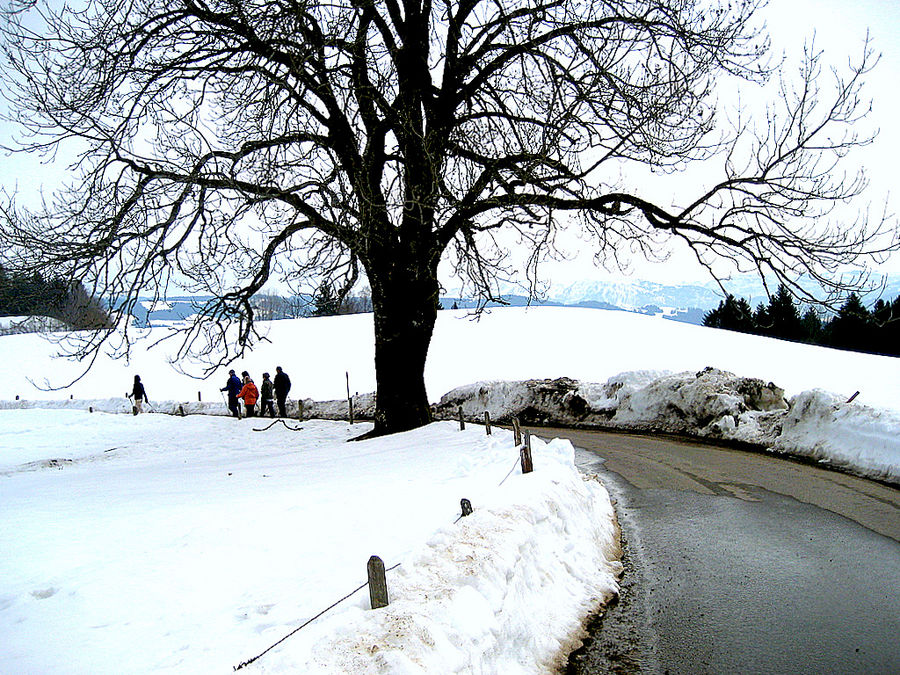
(267, 395)
(282, 387)
(250, 394)
(139, 394)
(233, 387)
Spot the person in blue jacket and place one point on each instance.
(233, 387)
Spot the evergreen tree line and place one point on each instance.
(36, 296)
(854, 327)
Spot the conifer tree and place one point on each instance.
(783, 317)
(852, 327)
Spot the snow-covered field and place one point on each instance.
(590, 345)
(190, 545)
(656, 360)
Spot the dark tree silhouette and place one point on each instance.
(217, 143)
(33, 295)
(852, 328)
(812, 326)
(731, 314)
(783, 316)
(325, 301)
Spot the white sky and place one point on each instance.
(839, 27)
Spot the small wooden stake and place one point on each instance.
(349, 399)
(199, 397)
(525, 455)
(378, 595)
(517, 432)
(850, 400)
(462, 421)
(465, 507)
(487, 423)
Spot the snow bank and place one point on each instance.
(711, 404)
(502, 591)
(849, 436)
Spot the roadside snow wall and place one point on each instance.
(711, 404)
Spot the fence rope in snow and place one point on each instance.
(515, 464)
(283, 422)
(355, 590)
(305, 624)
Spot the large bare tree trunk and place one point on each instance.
(404, 300)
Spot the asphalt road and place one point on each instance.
(740, 562)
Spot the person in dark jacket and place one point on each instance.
(139, 394)
(282, 387)
(233, 387)
(267, 396)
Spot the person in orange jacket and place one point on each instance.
(250, 394)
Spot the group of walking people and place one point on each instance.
(268, 393)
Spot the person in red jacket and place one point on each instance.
(250, 394)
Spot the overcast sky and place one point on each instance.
(839, 26)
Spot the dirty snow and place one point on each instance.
(711, 404)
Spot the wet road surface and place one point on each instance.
(743, 563)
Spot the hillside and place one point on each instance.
(590, 345)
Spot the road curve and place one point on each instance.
(742, 562)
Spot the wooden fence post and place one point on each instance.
(462, 421)
(517, 432)
(378, 595)
(525, 455)
(487, 423)
(199, 397)
(349, 399)
(299, 410)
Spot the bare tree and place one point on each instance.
(219, 143)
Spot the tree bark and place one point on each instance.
(404, 299)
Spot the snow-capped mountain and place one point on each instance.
(637, 294)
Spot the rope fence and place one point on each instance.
(376, 571)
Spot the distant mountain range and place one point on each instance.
(635, 294)
(678, 302)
